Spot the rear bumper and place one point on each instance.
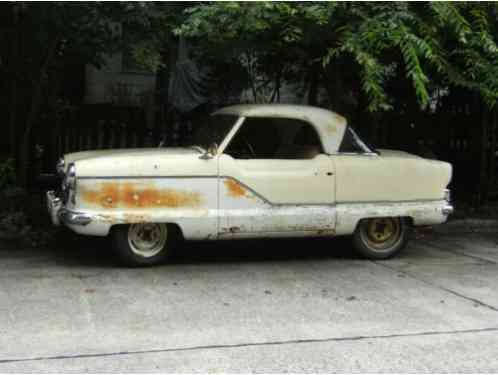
(448, 209)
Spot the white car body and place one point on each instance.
(216, 196)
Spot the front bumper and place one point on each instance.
(59, 214)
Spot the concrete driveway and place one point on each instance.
(261, 306)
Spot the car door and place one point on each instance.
(274, 178)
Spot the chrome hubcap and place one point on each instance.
(147, 239)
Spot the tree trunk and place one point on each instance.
(251, 77)
(313, 85)
(483, 155)
(14, 65)
(169, 58)
(492, 153)
(36, 99)
(276, 91)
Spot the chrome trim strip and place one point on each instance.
(394, 202)
(140, 177)
(228, 138)
(353, 154)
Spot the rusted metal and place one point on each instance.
(137, 195)
(235, 189)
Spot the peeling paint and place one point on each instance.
(136, 195)
(325, 232)
(131, 218)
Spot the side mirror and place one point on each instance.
(210, 152)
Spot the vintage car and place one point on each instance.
(252, 171)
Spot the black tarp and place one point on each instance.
(189, 84)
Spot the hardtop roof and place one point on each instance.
(329, 125)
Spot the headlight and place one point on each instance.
(71, 176)
(69, 184)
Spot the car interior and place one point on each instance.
(275, 138)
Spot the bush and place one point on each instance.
(7, 174)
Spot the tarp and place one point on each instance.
(189, 85)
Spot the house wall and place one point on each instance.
(115, 84)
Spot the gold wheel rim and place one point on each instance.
(380, 231)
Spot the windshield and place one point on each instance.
(213, 130)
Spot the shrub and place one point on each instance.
(7, 173)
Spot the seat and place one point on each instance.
(307, 142)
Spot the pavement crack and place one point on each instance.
(250, 344)
(409, 274)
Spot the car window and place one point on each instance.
(213, 130)
(275, 138)
(351, 143)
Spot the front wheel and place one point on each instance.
(142, 244)
(381, 238)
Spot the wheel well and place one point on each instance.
(175, 228)
(177, 231)
(407, 219)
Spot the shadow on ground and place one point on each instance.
(70, 249)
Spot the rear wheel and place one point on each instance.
(143, 244)
(381, 238)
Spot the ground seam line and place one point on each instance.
(253, 344)
(456, 252)
(437, 286)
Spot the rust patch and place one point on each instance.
(112, 195)
(235, 189)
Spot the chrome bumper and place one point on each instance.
(448, 209)
(54, 205)
(59, 214)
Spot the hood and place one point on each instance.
(137, 162)
(98, 154)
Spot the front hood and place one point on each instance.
(132, 162)
(95, 154)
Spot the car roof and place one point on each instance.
(329, 125)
